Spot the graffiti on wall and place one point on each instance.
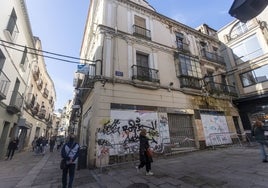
(121, 133)
(215, 127)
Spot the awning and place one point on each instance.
(24, 124)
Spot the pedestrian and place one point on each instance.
(69, 152)
(145, 158)
(51, 144)
(34, 143)
(12, 146)
(258, 132)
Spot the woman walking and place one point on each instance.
(145, 158)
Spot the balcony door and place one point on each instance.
(143, 66)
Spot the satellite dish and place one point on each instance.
(245, 10)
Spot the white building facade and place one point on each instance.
(17, 56)
(145, 70)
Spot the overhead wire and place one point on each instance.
(47, 52)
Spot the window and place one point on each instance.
(142, 71)
(11, 26)
(140, 27)
(247, 50)
(24, 59)
(255, 76)
(142, 65)
(240, 28)
(2, 60)
(179, 40)
(139, 21)
(189, 66)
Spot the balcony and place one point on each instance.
(45, 93)
(30, 101)
(141, 32)
(50, 100)
(144, 74)
(39, 84)
(182, 47)
(36, 73)
(4, 85)
(15, 103)
(190, 82)
(35, 109)
(213, 57)
(220, 88)
(42, 113)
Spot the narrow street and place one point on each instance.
(221, 168)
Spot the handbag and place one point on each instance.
(149, 152)
(63, 164)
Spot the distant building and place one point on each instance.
(246, 52)
(146, 70)
(18, 89)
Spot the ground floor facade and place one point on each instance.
(113, 115)
(9, 128)
(23, 126)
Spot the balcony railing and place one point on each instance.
(15, 103)
(144, 74)
(190, 82)
(4, 85)
(141, 32)
(42, 113)
(35, 109)
(220, 88)
(30, 101)
(45, 92)
(50, 100)
(36, 72)
(182, 46)
(212, 57)
(39, 84)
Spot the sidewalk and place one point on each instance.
(221, 168)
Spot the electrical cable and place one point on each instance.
(51, 53)
(50, 57)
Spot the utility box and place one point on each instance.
(82, 159)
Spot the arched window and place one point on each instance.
(240, 28)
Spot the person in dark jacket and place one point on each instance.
(145, 159)
(52, 144)
(258, 132)
(12, 146)
(69, 152)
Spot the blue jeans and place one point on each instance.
(71, 170)
(262, 149)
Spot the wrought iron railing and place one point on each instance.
(144, 74)
(141, 32)
(190, 82)
(182, 46)
(220, 88)
(212, 57)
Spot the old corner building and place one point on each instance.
(145, 70)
